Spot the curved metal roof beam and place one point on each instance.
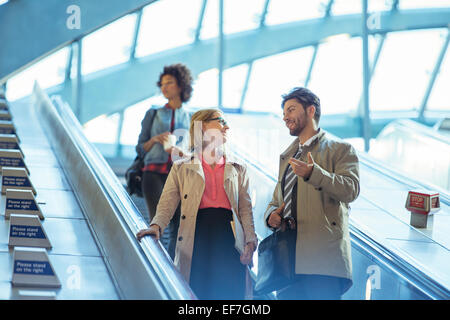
(134, 81)
(31, 30)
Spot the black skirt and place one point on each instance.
(216, 270)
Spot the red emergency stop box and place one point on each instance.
(421, 204)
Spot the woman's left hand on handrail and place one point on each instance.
(153, 230)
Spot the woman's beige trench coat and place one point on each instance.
(186, 183)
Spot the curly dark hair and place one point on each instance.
(183, 76)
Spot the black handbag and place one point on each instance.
(276, 262)
(133, 176)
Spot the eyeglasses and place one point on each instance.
(221, 120)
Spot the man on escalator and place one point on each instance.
(318, 179)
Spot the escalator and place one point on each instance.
(416, 150)
(91, 222)
(382, 268)
(391, 259)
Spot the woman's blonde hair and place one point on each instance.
(196, 137)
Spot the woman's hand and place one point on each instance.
(153, 230)
(160, 138)
(247, 255)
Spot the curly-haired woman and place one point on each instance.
(159, 123)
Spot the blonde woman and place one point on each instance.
(214, 192)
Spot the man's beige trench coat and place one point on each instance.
(186, 183)
(323, 241)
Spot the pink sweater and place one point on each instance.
(214, 195)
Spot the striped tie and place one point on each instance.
(289, 183)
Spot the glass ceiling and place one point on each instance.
(440, 95)
(49, 72)
(157, 33)
(273, 76)
(416, 4)
(238, 16)
(399, 82)
(108, 46)
(404, 69)
(284, 11)
(340, 90)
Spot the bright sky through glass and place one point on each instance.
(404, 69)
(273, 76)
(167, 24)
(440, 95)
(108, 46)
(48, 72)
(284, 11)
(238, 16)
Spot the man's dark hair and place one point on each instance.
(305, 97)
(183, 76)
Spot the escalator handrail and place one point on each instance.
(398, 264)
(170, 280)
(413, 184)
(411, 126)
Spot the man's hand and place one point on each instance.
(275, 217)
(302, 169)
